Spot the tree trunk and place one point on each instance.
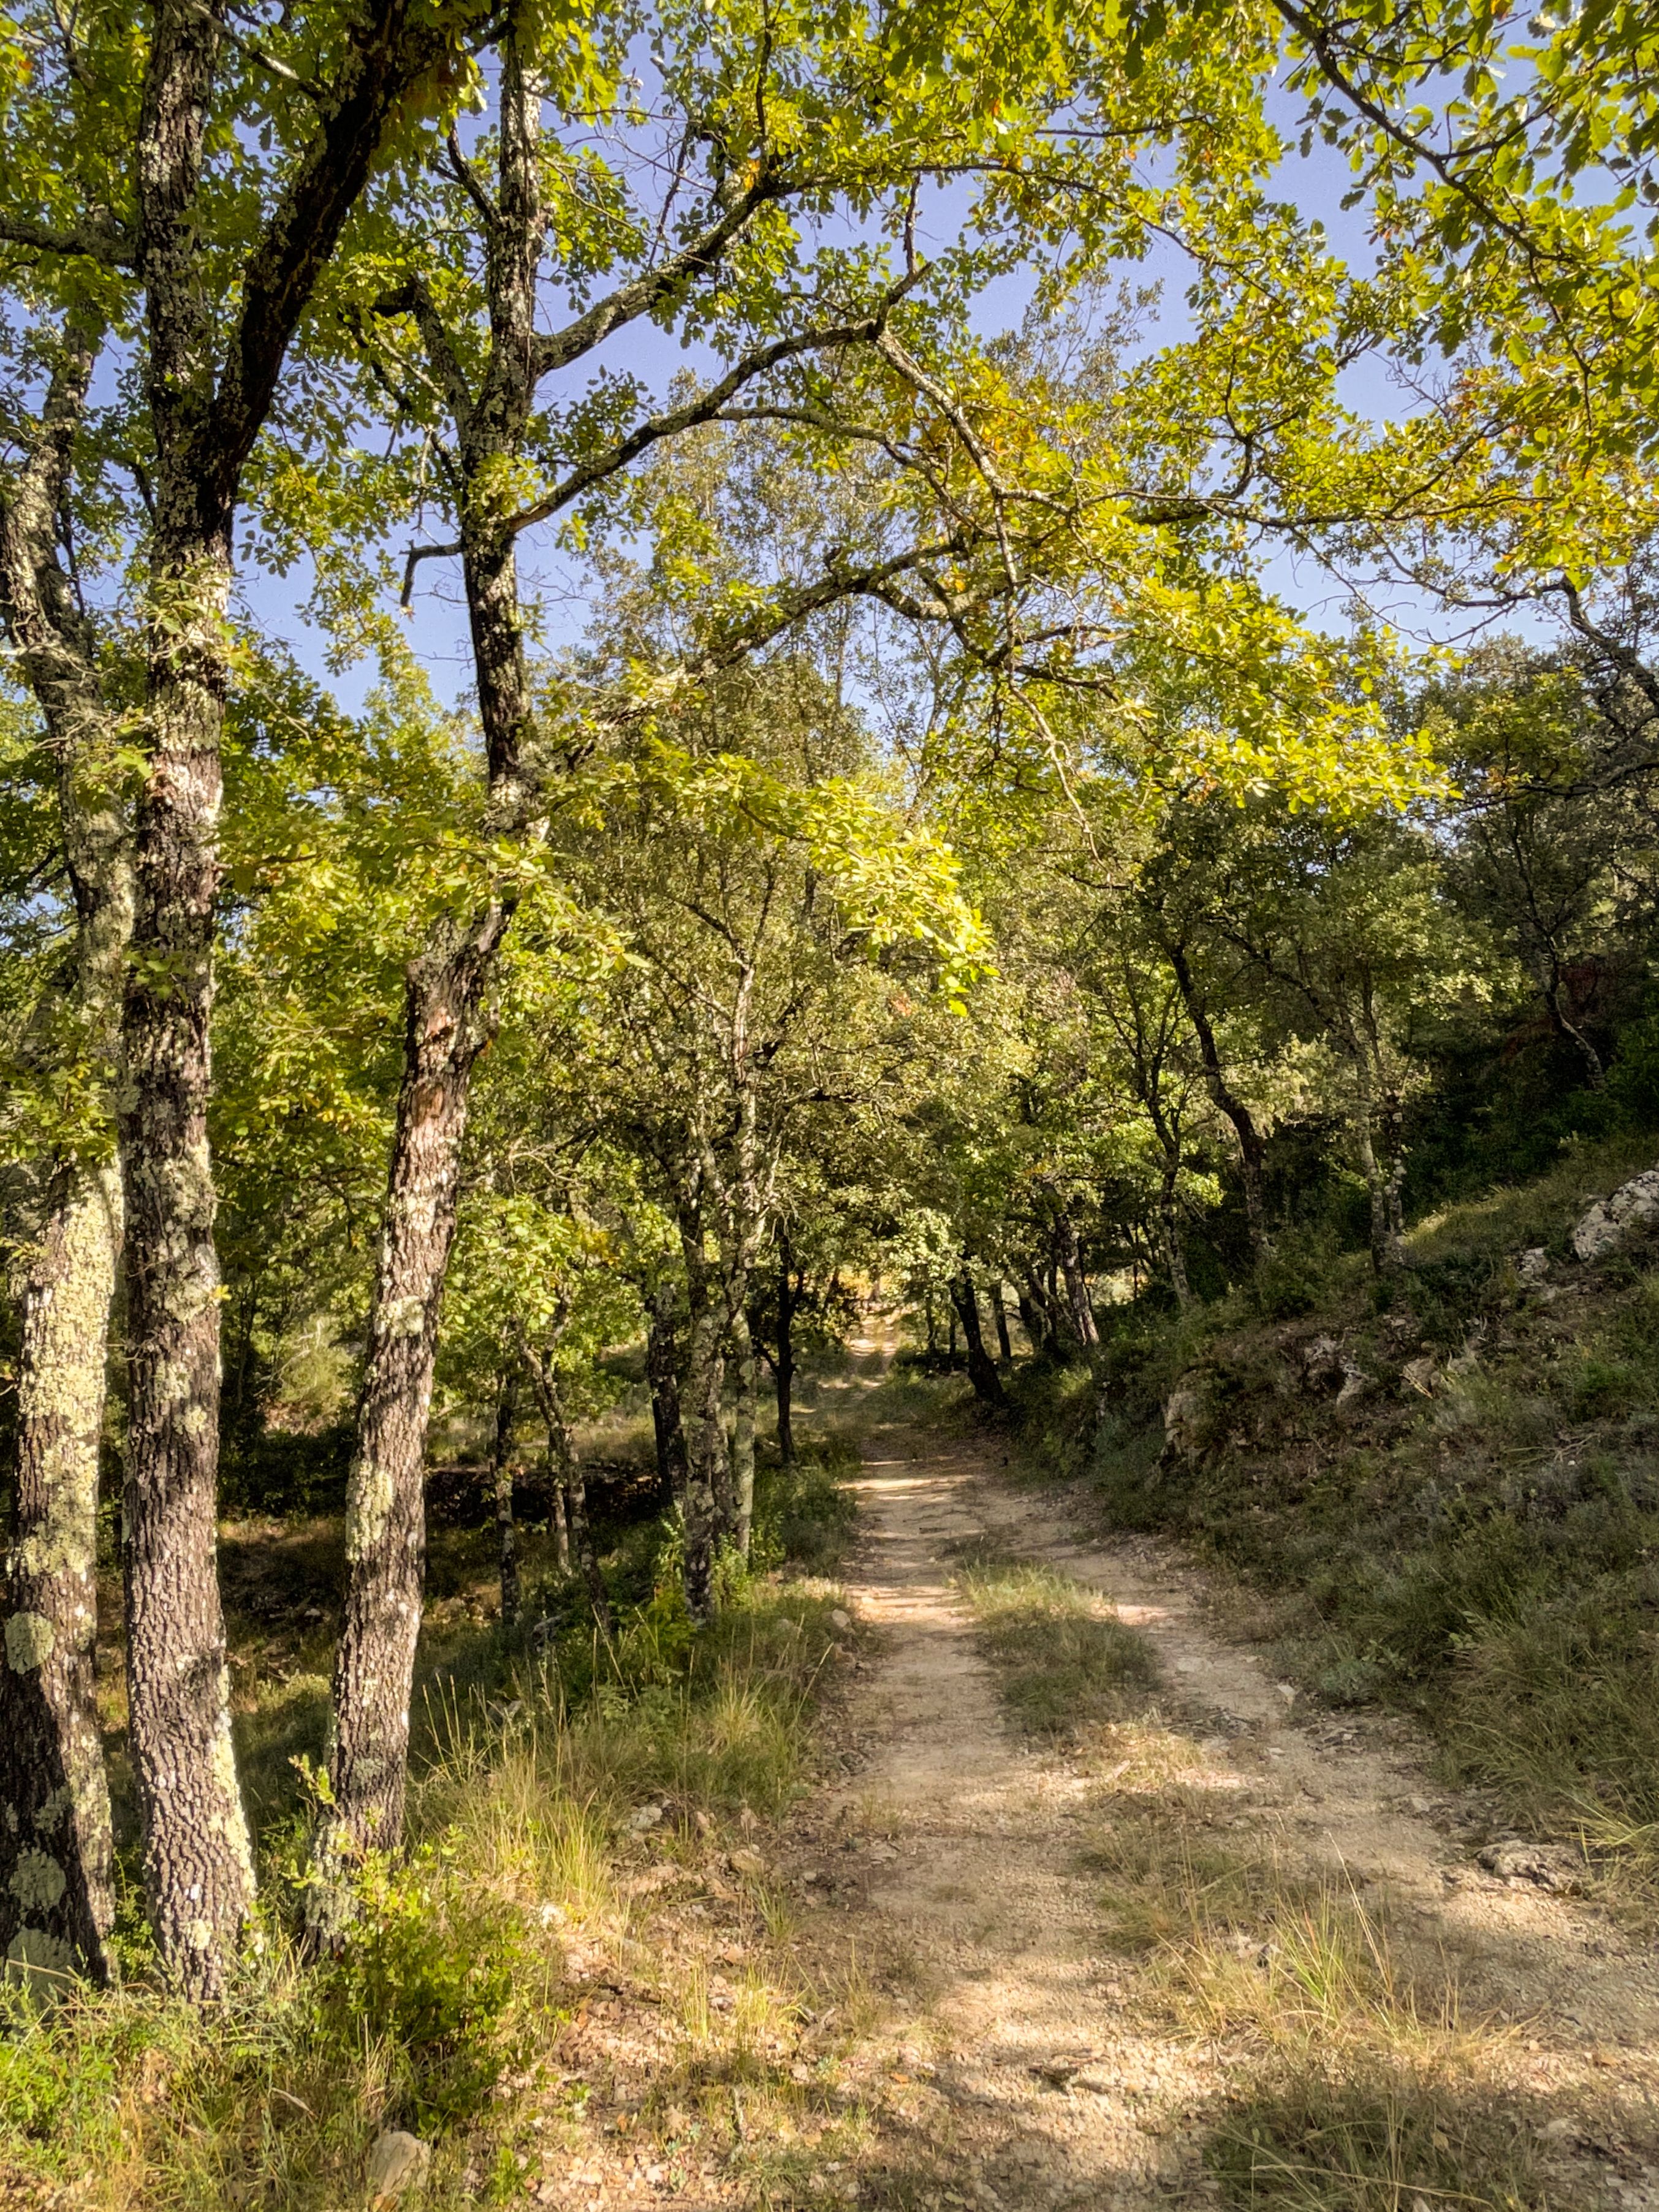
(56, 1899)
(952, 1348)
(573, 1489)
(742, 1431)
(1252, 1148)
(1168, 1225)
(561, 1519)
(199, 1869)
(1388, 1252)
(706, 1471)
(981, 1369)
(56, 1896)
(784, 1377)
(999, 1315)
(502, 1472)
(385, 1502)
(933, 1326)
(1077, 1289)
(665, 1421)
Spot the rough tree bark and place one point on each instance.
(981, 1368)
(56, 1899)
(385, 1500)
(449, 1023)
(707, 1474)
(665, 1421)
(207, 402)
(561, 1519)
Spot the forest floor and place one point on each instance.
(1205, 1946)
(1062, 2068)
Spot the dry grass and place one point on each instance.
(1356, 2083)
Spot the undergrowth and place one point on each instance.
(443, 2011)
(1472, 1534)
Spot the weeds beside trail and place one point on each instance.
(1306, 2023)
(562, 1810)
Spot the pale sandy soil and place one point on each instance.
(976, 1894)
(952, 1873)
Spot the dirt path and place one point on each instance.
(957, 1858)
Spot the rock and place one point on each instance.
(1532, 1265)
(1321, 1362)
(1513, 1861)
(748, 1862)
(1185, 1423)
(840, 1620)
(644, 1817)
(1418, 1375)
(1603, 1229)
(1355, 1383)
(399, 2165)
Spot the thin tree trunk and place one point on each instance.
(1387, 1255)
(561, 1519)
(665, 1421)
(953, 1331)
(981, 1368)
(1169, 1225)
(385, 1502)
(1252, 1148)
(705, 1453)
(933, 1326)
(742, 1431)
(1031, 1319)
(502, 1472)
(57, 1900)
(573, 1488)
(999, 1315)
(1077, 1289)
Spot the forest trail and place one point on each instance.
(975, 1900)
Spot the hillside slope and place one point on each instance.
(1445, 1487)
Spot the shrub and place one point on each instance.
(439, 1970)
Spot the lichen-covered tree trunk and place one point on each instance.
(56, 1899)
(198, 1868)
(561, 1519)
(572, 1493)
(56, 1895)
(742, 1431)
(386, 1497)
(1169, 1230)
